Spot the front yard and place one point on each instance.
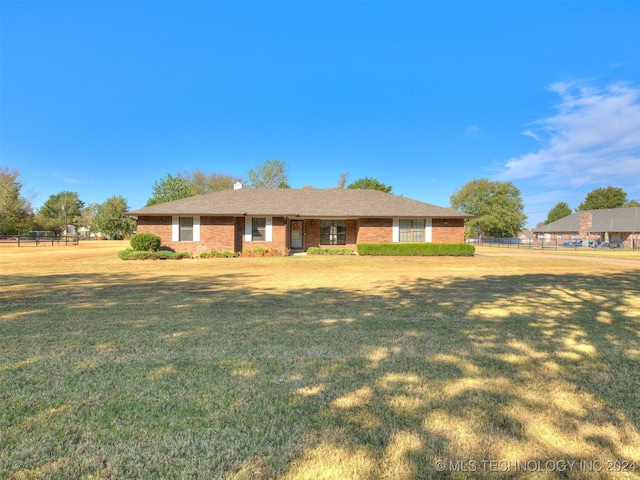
(316, 367)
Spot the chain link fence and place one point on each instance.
(38, 239)
(553, 244)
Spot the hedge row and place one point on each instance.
(417, 249)
(265, 252)
(329, 251)
(130, 254)
(215, 254)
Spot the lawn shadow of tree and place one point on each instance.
(240, 381)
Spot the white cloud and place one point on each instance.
(473, 132)
(594, 137)
(71, 180)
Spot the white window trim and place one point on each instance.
(268, 234)
(175, 228)
(248, 229)
(428, 230)
(196, 228)
(396, 230)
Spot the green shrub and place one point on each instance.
(264, 252)
(329, 251)
(421, 249)
(215, 254)
(145, 242)
(130, 254)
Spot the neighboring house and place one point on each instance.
(526, 236)
(296, 219)
(614, 225)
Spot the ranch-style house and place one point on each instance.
(615, 226)
(296, 219)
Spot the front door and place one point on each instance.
(296, 235)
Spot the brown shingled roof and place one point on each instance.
(335, 202)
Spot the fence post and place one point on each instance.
(18, 239)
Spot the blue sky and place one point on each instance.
(103, 98)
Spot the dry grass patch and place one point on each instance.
(313, 367)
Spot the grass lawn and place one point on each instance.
(316, 367)
(605, 253)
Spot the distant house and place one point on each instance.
(619, 226)
(526, 236)
(296, 219)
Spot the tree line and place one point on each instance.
(499, 209)
(497, 206)
(65, 209)
(600, 198)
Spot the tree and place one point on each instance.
(111, 221)
(60, 210)
(342, 182)
(497, 205)
(202, 182)
(609, 197)
(271, 174)
(371, 184)
(89, 216)
(632, 203)
(170, 188)
(561, 210)
(15, 210)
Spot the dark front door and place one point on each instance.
(296, 235)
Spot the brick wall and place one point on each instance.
(161, 226)
(585, 220)
(375, 230)
(215, 233)
(447, 231)
(278, 235)
(312, 234)
(628, 240)
(226, 234)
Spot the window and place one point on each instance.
(186, 229)
(258, 229)
(333, 232)
(412, 230)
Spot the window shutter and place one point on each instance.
(428, 230)
(396, 230)
(268, 234)
(175, 229)
(196, 229)
(247, 229)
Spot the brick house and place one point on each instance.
(296, 219)
(620, 226)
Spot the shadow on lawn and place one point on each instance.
(336, 383)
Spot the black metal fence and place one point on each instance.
(23, 240)
(554, 244)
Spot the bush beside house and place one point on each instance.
(146, 246)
